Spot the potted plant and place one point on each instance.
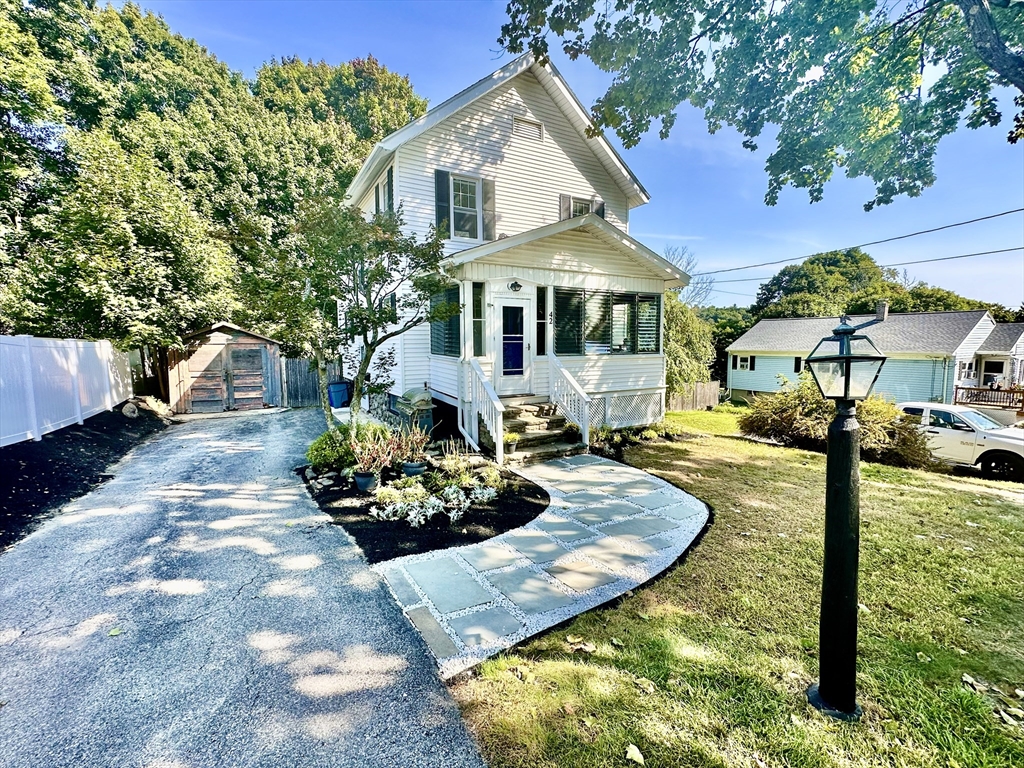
(414, 443)
(511, 440)
(372, 453)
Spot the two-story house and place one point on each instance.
(560, 304)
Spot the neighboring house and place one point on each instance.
(930, 354)
(560, 304)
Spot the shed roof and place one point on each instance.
(231, 326)
(936, 333)
(1002, 340)
(559, 91)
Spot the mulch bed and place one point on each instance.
(38, 478)
(519, 503)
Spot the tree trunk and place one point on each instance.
(989, 45)
(325, 400)
(359, 380)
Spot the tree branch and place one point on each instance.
(989, 45)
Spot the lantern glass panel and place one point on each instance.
(825, 348)
(831, 377)
(863, 346)
(862, 377)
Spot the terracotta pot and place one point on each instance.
(365, 481)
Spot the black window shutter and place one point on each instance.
(564, 207)
(391, 190)
(735, 361)
(599, 207)
(376, 198)
(752, 359)
(568, 321)
(796, 365)
(442, 196)
(489, 219)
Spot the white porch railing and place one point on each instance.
(484, 405)
(568, 395)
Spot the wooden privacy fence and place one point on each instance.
(698, 397)
(300, 382)
(47, 384)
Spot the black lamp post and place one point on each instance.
(845, 367)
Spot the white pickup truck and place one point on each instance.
(963, 435)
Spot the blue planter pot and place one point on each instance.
(365, 481)
(413, 468)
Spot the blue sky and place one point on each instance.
(706, 191)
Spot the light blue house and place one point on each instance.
(929, 354)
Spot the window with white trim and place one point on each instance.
(466, 212)
(581, 206)
(744, 363)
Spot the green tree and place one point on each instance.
(689, 348)
(820, 285)
(727, 325)
(359, 284)
(122, 257)
(842, 81)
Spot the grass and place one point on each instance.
(708, 665)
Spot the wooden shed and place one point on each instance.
(224, 368)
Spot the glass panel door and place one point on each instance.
(512, 341)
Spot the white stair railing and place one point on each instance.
(485, 405)
(569, 397)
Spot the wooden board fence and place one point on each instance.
(698, 397)
(300, 382)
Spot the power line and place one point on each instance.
(898, 264)
(865, 245)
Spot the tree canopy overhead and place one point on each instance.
(865, 86)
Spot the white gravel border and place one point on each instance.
(679, 539)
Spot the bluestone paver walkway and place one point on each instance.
(608, 529)
(198, 610)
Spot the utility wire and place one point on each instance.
(865, 245)
(898, 264)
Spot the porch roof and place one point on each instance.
(1003, 340)
(646, 259)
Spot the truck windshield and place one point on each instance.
(979, 420)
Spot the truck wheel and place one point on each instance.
(1003, 466)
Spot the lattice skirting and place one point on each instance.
(626, 410)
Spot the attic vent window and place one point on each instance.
(527, 129)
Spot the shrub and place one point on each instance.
(572, 433)
(602, 434)
(400, 492)
(650, 434)
(490, 477)
(333, 449)
(799, 416)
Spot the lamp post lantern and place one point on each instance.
(845, 367)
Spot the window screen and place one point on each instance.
(445, 338)
(568, 321)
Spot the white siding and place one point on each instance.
(528, 175)
(975, 338)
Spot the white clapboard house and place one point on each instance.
(562, 309)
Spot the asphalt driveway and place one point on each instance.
(197, 610)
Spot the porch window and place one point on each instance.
(542, 320)
(445, 338)
(478, 319)
(465, 208)
(603, 322)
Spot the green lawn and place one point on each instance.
(708, 665)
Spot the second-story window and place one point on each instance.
(581, 207)
(465, 208)
(570, 206)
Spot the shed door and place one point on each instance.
(207, 379)
(245, 378)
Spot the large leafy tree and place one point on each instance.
(865, 86)
(689, 348)
(820, 285)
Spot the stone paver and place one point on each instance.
(487, 557)
(530, 592)
(639, 527)
(565, 530)
(485, 627)
(581, 575)
(401, 587)
(447, 586)
(599, 545)
(534, 545)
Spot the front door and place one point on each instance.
(514, 363)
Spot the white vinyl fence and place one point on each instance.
(46, 384)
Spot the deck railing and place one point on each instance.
(1010, 399)
(484, 405)
(569, 397)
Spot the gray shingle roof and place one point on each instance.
(1003, 339)
(937, 333)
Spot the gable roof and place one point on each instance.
(1002, 340)
(232, 327)
(935, 333)
(556, 88)
(593, 225)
